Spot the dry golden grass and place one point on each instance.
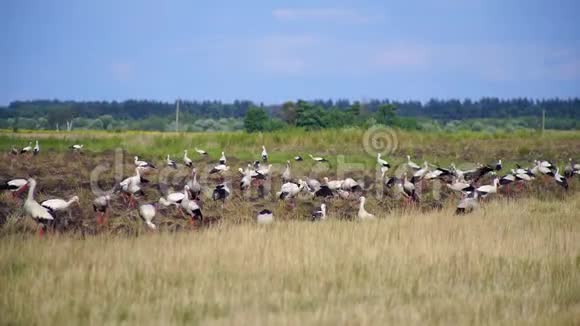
(512, 262)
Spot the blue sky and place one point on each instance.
(272, 51)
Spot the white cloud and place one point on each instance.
(320, 14)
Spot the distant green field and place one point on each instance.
(352, 145)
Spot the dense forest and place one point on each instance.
(451, 114)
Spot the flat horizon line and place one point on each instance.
(333, 99)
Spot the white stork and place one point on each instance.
(334, 184)
(100, 206)
(143, 164)
(77, 147)
(313, 184)
(173, 198)
(409, 189)
(412, 164)
(265, 216)
(264, 154)
(264, 171)
(460, 186)
(171, 163)
(147, 213)
(223, 158)
(190, 206)
(59, 205)
(318, 159)
(246, 181)
(132, 185)
(186, 160)
(35, 210)
(540, 169)
(194, 186)
(298, 158)
(383, 164)
(483, 191)
(26, 149)
(522, 174)
(362, 213)
(319, 213)
(467, 204)
(457, 172)
(289, 190)
(419, 174)
(286, 176)
(351, 185)
(201, 152)
(221, 192)
(36, 149)
(560, 179)
(219, 169)
(16, 186)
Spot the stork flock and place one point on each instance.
(407, 184)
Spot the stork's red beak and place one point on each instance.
(22, 189)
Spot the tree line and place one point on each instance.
(316, 114)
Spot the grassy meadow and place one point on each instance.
(514, 261)
(511, 263)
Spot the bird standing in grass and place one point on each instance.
(15, 186)
(190, 206)
(412, 165)
(467, 204)
(173, 198)
(484, 191)
(131, 186)
(362, 213)
(201, 152)
(40, 214)
(246, 181)
(265, 216)
(286, 176)
(171, 163)
(147, 213)
(383, 164)
(318, 159)
(221, 192)
(186, 160)
(219, 169)
(36, 149)
(77, 147)
(101, 206)
(319, 213)
(194, 185)
(571, 169)
(143, 164)
(561, 180)
(26, 149)
(59, 205)
(289, 190)
(264, 154)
